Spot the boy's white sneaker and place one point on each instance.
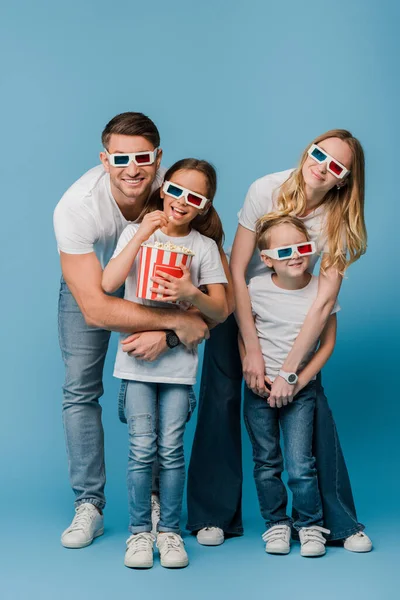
(139, 551)
(312, 541)
(87, 524)
(155, 513)
(210, 536)
(172, 550)
(277, 539)
(358, 542)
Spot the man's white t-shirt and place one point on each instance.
(178, 365)
(87, 218)
(261, 200)
(279, 315)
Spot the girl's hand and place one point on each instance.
(173, 287)
(151, 222)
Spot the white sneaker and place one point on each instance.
(278, 539)
(358, 542)
(312, 541)
(86, 525)
(210, 536)
(139, 551)
(155, 513)
(172, 550)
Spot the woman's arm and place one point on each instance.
(230, 297)
(329, 284)
(253, 362)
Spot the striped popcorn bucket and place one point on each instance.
(157, 259)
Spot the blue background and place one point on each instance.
(246, 85)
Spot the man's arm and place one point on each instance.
(83, 273)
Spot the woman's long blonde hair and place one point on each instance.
(344, 221)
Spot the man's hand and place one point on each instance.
(148, 345)
(281, 393)
(254, 371)
(191, 330)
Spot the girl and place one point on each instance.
(157, 399)
(326, 191)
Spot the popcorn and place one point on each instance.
(169, 246)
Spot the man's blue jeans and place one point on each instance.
(296, 422)
(156, 414)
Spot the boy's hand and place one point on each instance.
(151, 222)
(267, 388)
(175, 288)
(254, 371)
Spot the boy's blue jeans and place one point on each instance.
(296, 422)
(156, 414)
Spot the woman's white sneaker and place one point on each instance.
(139, 551)
(86, 525)
(312, 541)
(172, 550)
(155, 513)
(277, 539)
(358, 542)
(210, 536)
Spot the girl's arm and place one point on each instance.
(117, 270)
(329, 284)
(253, 362)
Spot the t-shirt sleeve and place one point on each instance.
(254, 207)
(211, 268)
(125, 237)
(76, 232)
(336, 308)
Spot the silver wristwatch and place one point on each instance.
(289, 377)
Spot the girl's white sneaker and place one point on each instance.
(312, 541)
(172, 550)
(277, 539)
(210, 536)
(358, 542)
(139, 551)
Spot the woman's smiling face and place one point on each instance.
(316, 175)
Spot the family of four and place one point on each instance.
(280, 336)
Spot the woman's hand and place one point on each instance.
(175, 288)
(281, 393)
(151, 222)
(254, 371)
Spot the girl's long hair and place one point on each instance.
(344, 222)
(208, 223)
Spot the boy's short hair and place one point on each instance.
(267, 222)
(131, 123)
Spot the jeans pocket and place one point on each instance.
(192, 403)
(121, 400)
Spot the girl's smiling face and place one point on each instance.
(176, 209)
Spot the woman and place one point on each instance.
(327, 192)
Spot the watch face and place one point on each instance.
(172, 340)
(292, 378)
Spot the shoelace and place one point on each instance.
(313, 534)
(140, 542)
(84, 516)
(277, 532)
(169, 541)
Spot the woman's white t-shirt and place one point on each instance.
(178, 365)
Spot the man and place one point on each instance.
(88, 221)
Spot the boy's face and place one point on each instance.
(286, 235)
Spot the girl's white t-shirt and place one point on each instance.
(261, 200)
(177, 365)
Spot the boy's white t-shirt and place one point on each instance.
(87, 218)
(261, 200)
(279, 316)
(177, 365)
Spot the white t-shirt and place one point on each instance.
(279, 316)
(87, 218)
(177, 365)
(261, 200)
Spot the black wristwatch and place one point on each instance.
(172, 339)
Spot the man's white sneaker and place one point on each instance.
(155, 513)
(139, 551)
(172, 550)
(210, 536)
(277, 539)
(86, 525)
(312, 541)
(358, 542)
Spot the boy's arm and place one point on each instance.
(321, 356)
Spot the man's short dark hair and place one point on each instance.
(131, 123)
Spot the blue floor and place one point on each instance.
(35, 566)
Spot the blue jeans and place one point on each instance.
(296, 422)
(215, 470)
(156, 414)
